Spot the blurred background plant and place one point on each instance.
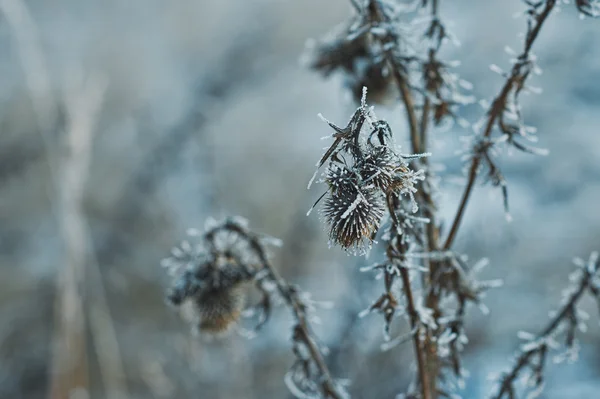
(205, 111)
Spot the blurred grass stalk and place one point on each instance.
(69, 170)
(82, 101)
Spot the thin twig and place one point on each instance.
(495, 112)
(409, 106)
(414, 323)
(393, 252)
(564, 314)
(328, 385)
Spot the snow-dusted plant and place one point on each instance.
(374, 193)
(212, 273)
(365, 173)
(392, 49)
(559, 333)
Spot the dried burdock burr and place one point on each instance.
(379, 168)
(211, 296)
(363, 173)
(210, 292)
(353, 215)
(219, 309)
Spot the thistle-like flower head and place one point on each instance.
(353, 215)
(363, 174)
(211, 276)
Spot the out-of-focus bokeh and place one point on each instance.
(123, 123)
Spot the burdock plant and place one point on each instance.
(212, 273)
(392, 48)
(378, 199)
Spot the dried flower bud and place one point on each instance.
(218, 309)
(337, 52)
(212, 296)
(440, 111)
(339, 178)
(357, 58)
(375, 77)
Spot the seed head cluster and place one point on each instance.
(212, 296)
(210, 279)
(363, 174)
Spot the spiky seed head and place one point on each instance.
(211, 294)
(219, 309)
(379, 167)
(339, 178)
(353, 216)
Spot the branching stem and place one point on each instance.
(329, 388)
(564, 314)
(495, 111)
(395, 254)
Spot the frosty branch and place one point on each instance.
(378, 39)
(377, 49)
(566, 321)
(524, 64)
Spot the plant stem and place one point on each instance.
(414, 321)
(409, 106)
(495, 111)
(328, 386)
(395, 254)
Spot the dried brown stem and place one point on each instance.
(424, 126)
(414, 322)
(422, 363)
(395, 254)
(328, 386)
(427, 200)
(429, 207)
(428, 367)
(409, 106)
